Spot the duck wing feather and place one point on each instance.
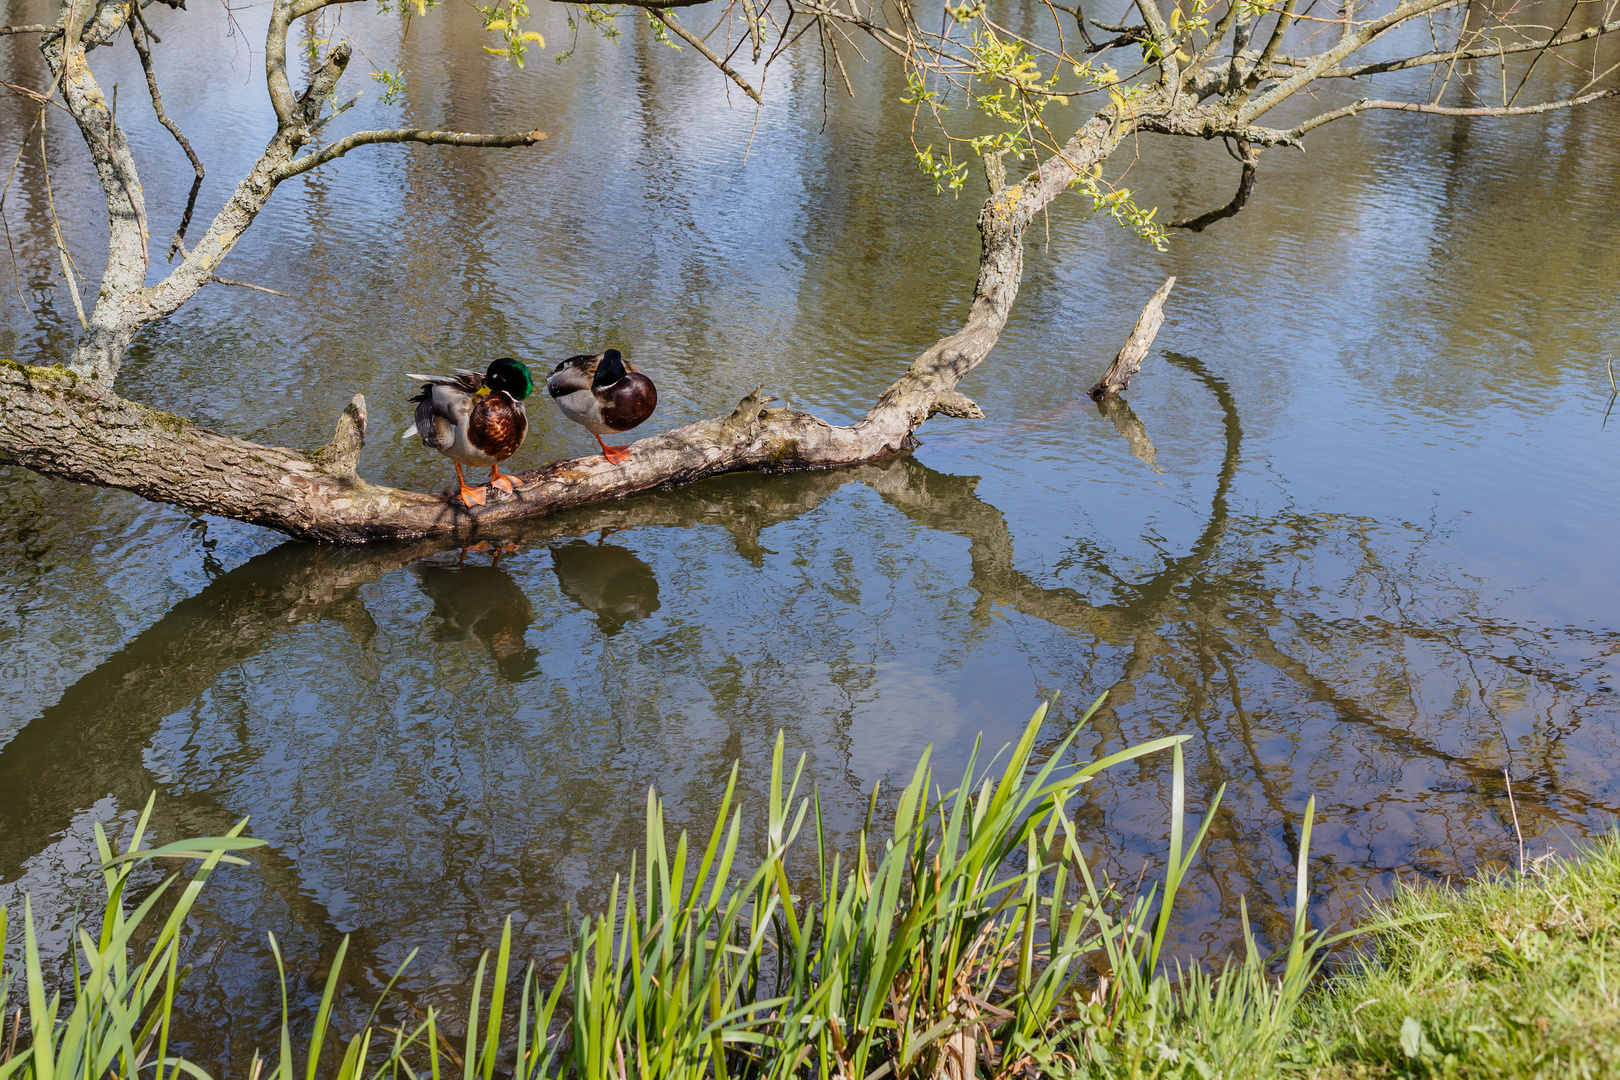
(572, 375)
(443, 406)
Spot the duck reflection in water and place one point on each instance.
(607, 580)
(484, 602)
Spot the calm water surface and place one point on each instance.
(1354, 530)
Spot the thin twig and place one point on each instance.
(669, 20)
(178, 242)
(56, 231)
(1411, 106)
(1537, 58)
(403, 135)
(1430, 58)
(334, 114)
(216, 279)
(1508, 778)
(34, 95)
(39, 118)
(138, 33)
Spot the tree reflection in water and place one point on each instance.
(1309, 653)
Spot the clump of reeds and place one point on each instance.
(950, 942)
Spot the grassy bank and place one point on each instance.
(959, 936)
(1510, 976)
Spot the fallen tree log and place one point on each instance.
(67, 421)
(62, 422)
(55, 422)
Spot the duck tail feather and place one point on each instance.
(409, 431)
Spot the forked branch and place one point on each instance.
(1428, 59)
(138, 33)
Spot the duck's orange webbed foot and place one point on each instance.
(498, 480)
(616, 455)
(470, 497)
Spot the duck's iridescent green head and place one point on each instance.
(509, 375)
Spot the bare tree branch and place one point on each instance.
(404, 135)
(56, 234)
(282, 15)
(36, 28)
(138, 32)
(248, 285)
(1537, 58)
(1284, 19)
(1330, 58)
(1440, 110)
(137, 35)
(1249, 155)
(708, 54)
(1431, 58)
(33, 95)
(1129, 360)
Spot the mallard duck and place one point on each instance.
(474, 419)
(604, 394)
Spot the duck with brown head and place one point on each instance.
(605, 395)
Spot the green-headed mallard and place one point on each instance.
(605, 395)
(474, 419)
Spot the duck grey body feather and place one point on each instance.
(443, 416)
(610, 407)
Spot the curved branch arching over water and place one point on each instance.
(67, 421)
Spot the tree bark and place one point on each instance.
(1129, 361)
(66, 421)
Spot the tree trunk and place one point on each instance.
(56, 421)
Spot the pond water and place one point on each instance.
(1354, 531)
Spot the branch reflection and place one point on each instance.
(1310, 652)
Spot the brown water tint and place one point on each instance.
(1357, 538)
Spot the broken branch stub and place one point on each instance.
(1129, 361)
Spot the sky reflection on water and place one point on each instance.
(1371, 560)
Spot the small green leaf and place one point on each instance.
(1411, 1037)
